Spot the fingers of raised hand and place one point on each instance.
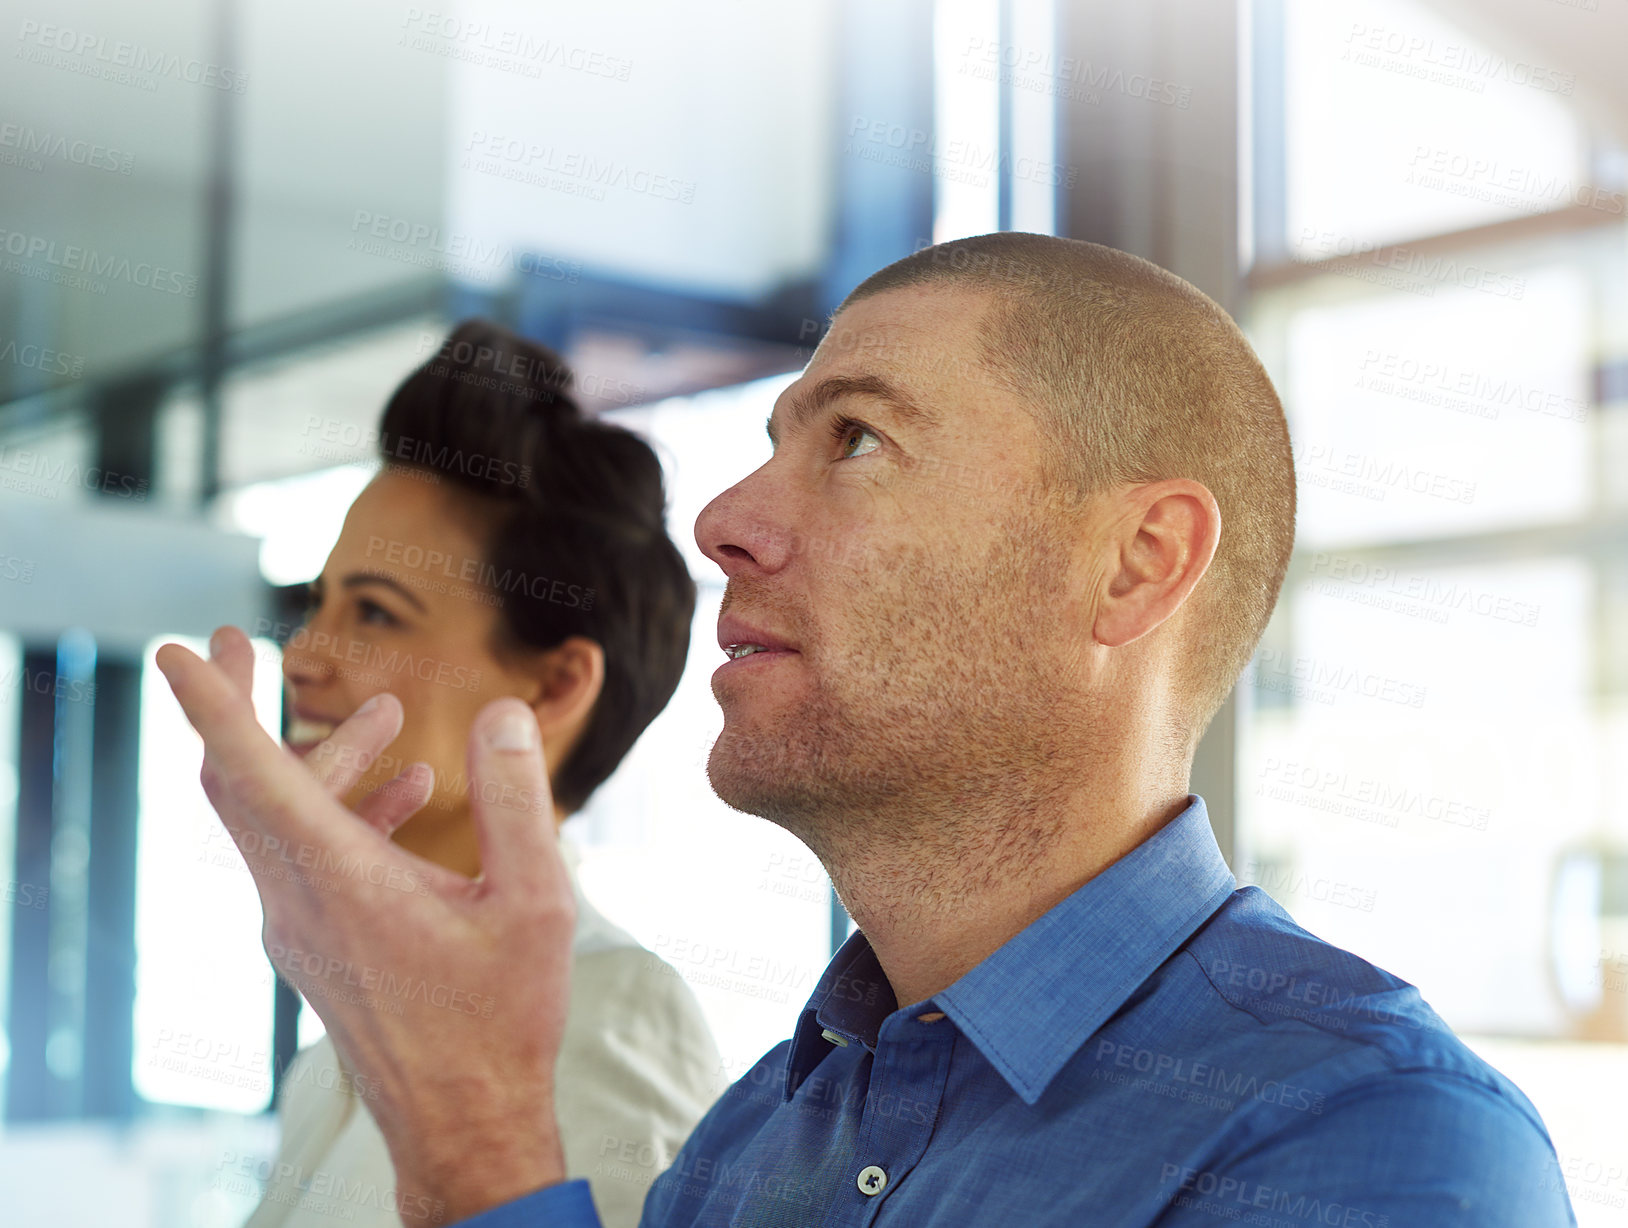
(230, 649)
(221, 714)
(232, 654)
(392, 804)
(347, 753)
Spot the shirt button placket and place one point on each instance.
(910, 1069)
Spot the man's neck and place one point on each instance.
(934, 908)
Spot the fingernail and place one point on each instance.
(216, 644)
(369, 706)
(512, 731)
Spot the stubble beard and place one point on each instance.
(943, 723)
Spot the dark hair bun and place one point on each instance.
(485, 410)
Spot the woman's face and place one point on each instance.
(399, 607)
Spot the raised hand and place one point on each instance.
(446, 995)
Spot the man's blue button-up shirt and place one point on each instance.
(1161, 1048)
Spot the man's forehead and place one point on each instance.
(916, 349)
(910, 333)
(871, 322)
(907, 327)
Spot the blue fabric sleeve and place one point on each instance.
(1405, 1150)
(567, 1205)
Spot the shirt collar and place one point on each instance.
(850, 1003)
(1030, 1005)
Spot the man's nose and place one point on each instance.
(748, 528)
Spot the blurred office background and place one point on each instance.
(229, 227)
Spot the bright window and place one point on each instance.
(203, 983)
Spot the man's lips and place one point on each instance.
(742, 641)
(757, 658)
(749, 646)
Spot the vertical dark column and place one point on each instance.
(1268, 140)
(214, 302)
(110, 972)
(126, 419)
(47, 999)
(32, 1092)
(1158, 176)
(884, 210)
(1006, 162)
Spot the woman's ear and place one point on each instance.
(570, 676)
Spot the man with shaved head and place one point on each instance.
(1029, 507)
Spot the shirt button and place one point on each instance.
(872, 1180)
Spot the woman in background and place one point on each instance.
(511, 546)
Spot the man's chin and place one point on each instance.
(739, 785)
(753, 776)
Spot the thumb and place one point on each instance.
(512, 804)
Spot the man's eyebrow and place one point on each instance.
(357, 579)
(803, 408)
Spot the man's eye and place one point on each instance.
(851, 435)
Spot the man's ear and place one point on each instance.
(1160, 545)
(569, 678)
